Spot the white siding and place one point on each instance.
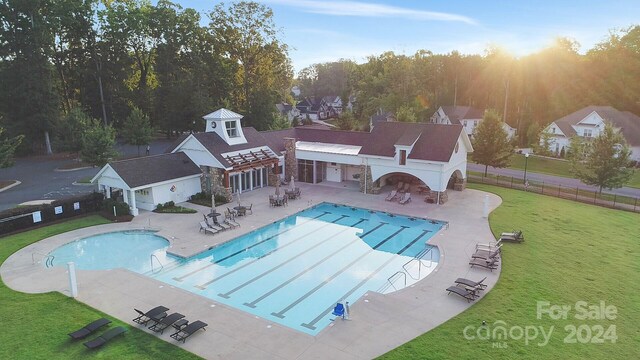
(183, 190)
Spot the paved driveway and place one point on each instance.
(41, 181)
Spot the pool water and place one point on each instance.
(293, 272)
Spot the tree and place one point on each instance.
(7, 149)
(406, 113)
(491, 145)
(69, 131)
(246, 33)
(606, 160)
(346, 121)
(280, 122)
(98, 144)
(543, 146)
(137, 129)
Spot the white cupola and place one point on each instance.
(226, 124)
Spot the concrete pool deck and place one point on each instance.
(379, 322)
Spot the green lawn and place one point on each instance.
(572, 252)
(36, 326)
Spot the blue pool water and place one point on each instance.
(292, 272)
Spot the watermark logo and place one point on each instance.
(500, 332)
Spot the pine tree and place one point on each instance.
(98, 144)
(7, 148)
(491, 145)
(137, 129)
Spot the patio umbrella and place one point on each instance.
(238, 198)
(292, 184)
(213, 203)
(278, 187)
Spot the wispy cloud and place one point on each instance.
(363, 9)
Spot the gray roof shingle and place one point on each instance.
(154, 169)
(627, 122)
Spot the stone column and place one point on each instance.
(290, 160)
(365, 178)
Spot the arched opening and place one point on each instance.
(402, 181)
(456, 181)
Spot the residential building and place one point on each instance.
(589, 122)
(287, 110)
(467, 116)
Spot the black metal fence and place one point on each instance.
(22, 218)
(583, 195)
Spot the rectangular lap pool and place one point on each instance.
(294, 271)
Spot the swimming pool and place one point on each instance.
(293, 271)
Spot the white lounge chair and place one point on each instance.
(392, 195)
(406, 198)
(207, 229)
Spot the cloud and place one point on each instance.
(363, 9)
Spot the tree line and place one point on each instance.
(67, 66)
(529, 92)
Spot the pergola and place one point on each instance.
(250, 160)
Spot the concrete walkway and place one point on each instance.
(379, 322)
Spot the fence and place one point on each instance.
(22, 218)
(584, 195)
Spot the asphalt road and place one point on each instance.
(41, 181)
(552, 180)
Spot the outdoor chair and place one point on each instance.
(250, 208)
(106, 337)
(406, 198)
(470, 283)
(231, 223)
(88, 329)
(272, 201)
(208, 229)
(339, 310)
(163, 324)
(232, 212)
(487, 264)
(392, 195)
(399, 185)
(488, 246)
(222, 225)
(297, 193)
(468, 295)
(487, 254)
(154, 313)
(515, 236)
(184, 333)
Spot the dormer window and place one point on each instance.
(403, 157)
(232, 129)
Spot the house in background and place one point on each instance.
(589, 122)
(467, 116)
(380, 116)
(227, 159)
(316, 109)
(287, 110)
(334, 102)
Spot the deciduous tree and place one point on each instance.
(98, 144)
(491, 145)
(137, 129)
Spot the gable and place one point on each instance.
(592, 119)
(197, 152)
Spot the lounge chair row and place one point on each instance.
(467, 289)
(160, 321)
(514, 236)
(93, 327)
(216, 227)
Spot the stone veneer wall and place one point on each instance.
(217, 182)
(372, 187)
(290, 160)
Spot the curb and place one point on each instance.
(80, 168)
(16, 183)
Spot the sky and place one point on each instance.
(320, 31)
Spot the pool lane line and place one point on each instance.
(204, 285)
(265, 273)
(180, 278)
(424, 232)
(311, 325)
(280, 314)
(290, 280)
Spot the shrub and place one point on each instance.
(159, 207)
(169, 204)
(203, 195)
(220, 199)
(121, 208)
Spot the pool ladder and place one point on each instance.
(153, 256)
(419, 257)
(48, 258)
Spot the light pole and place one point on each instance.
(526, 160)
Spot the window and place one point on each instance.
(553, 130)
(232, 130)
(403, 157)
(464, 123)
(587, 133)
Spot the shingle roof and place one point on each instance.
(223, 114)
(458, 113)
(382, 117)
(154, 169)
(216, 145)
(436, 142)
(627, 122)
